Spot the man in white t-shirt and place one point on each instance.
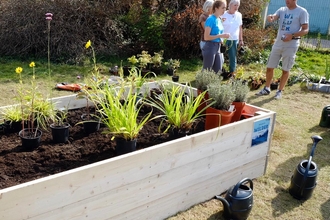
(293, 24)
(232, 24)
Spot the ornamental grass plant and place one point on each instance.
(118, 109)
(178, 107)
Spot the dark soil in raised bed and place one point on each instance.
(18, 165)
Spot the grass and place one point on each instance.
(297, 118)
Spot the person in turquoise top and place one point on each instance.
(212, 58)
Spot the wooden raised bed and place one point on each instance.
(153, 183)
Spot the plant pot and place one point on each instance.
(92, 125)
(212, 118)
(175, 78)
(175, 133)
(12, 126)
(60, 133)
(238, 111)
(226, 116)
(156, 70)
(170, 72)
(30, 139)
(255, 85)
(126, 70)
(124, 146)
(203, 103)
(223, 48)
(215, 118)
(273, 86)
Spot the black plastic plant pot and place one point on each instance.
(30, 138)
(175, 78)
(12, 126)
(60, 133)
(90, 125)
(124, 146)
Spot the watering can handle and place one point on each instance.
(315, 139)
(234, 192)
(305, 176)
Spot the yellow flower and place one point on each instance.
(32, 64)
(19, 70)
(88, 44)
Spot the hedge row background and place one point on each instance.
(116, 27)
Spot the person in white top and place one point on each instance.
(232, 24)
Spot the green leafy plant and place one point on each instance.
(172, 64)
(35, 109)
(157, 59)
(119, 110)
(60, 117)
(144, 58)
(205, 77)
(133, 60)
(223, 95)
(178, 107)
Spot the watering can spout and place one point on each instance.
(225, 204)
(316, 139)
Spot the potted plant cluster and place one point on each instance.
(202, 80)
(36, 111)
(221, 111)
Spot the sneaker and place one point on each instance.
(264, 91)
(278, 95)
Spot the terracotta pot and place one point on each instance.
(212, 119)
(226, 116)
(203, 104)
(238, 111)
(216, 118)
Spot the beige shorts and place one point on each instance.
(288, 55)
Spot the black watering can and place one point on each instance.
(325, 117)
(303, 181)
(238, 201)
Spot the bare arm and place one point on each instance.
(209, 37)
(240, 39)
(302, 32)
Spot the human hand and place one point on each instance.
(270, 18)
(286, 37)
(225, 35)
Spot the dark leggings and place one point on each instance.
(212, 58)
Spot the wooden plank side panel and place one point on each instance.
(122, 199)
(58, 192)
(190, 196)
